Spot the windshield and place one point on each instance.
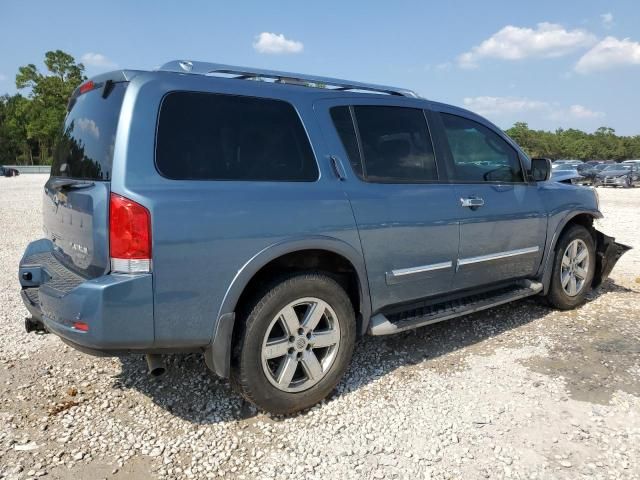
(84, 148)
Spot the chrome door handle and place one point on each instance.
(472, 202)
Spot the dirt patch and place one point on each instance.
(597, 348)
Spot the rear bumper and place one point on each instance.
(117, 308)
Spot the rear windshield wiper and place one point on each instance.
(69, 183)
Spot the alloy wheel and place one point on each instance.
(300, 344)
(575, 267)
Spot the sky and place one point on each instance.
(548, 63)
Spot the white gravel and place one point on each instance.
(519, 391)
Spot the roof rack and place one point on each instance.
(205, 68)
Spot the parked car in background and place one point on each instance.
(571, 163)
(619, 175)
(633, 162)
(269, 224)
(8, 172)
(589, 174)
(566, 174)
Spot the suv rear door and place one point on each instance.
(503, 221)
(405, 214)
(76, 197)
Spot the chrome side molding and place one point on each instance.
(405, 274)
(497, 256)
(401, 274)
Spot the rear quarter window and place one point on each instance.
(208, 136)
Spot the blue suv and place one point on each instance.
(269, 219)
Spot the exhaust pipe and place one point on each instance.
(155, 364)
(33, 325)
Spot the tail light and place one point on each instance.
(129, 236)
(87, 87)
(81, 326)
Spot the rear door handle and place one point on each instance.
(472, 202)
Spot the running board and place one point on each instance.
(419, 317)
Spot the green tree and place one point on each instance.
(603, 144)
(48, 94)
(14, 143)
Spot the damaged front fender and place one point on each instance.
(608, 252)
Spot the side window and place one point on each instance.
(343, 122)
(206, 136)
(394, 145)
(478, 153)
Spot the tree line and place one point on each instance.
(31, 119)
(603, 144)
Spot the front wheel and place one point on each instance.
(295, 345)
(573, 268)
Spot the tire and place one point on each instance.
(275, 382)
(564, 297)
(627, 183)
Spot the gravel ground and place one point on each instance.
(519, 391)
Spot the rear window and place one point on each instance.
(84, 147)
(205, 136)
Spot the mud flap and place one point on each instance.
(608, 252)
(217, 356)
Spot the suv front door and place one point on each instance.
(502, 217)
(406, 215)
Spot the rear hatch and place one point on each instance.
(76, 197)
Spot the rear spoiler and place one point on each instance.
(103, 80)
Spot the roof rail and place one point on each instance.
(205, 68)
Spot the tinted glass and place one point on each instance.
(84, 147)
(396, 145)
(341, 117)
(203, 136)
(479, 154)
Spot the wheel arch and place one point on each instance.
(582, 217)
(218, 353)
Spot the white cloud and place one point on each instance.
(610, 52)
(443, 67)
(495, 107)
(274, 43)
(575, 112)
(580, 111)
(88, 126)
(92, 59)
(607, 19)
(515, 43)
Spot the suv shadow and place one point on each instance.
(190, 391)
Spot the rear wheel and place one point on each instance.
(573, 268)
(296, 343)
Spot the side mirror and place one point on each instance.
(540, 169)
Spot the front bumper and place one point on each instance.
(614, 181)
(608, 252)
(116, 308)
